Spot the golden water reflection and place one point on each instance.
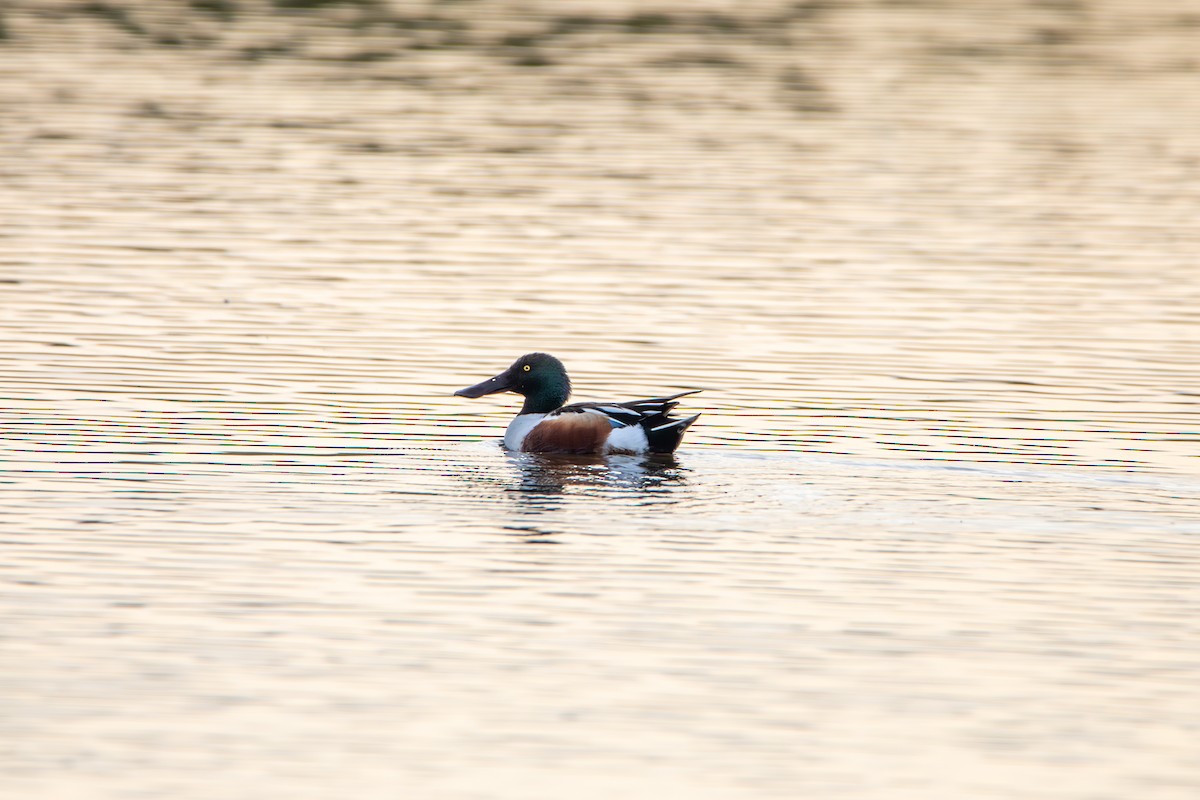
(932, 265)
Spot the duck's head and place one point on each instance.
(540, 377)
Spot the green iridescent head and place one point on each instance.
(540, 377)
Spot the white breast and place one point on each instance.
(519, 428)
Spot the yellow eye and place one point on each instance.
(526, 368)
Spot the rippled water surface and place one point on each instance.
(934, 266)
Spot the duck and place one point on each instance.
(545, 424)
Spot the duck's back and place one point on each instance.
(639, 426)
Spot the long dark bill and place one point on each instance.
(501, 383)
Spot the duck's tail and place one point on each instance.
(666, 437)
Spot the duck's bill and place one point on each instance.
(500, 383)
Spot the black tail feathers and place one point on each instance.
(665, 436)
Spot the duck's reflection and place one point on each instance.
(543, 480)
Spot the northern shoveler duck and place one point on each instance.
(545, 425)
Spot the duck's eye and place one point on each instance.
(526, 368)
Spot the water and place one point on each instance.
(934, 536)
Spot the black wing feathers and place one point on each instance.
(653, 415)
(650, 412)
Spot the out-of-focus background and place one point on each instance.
(933, 263)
